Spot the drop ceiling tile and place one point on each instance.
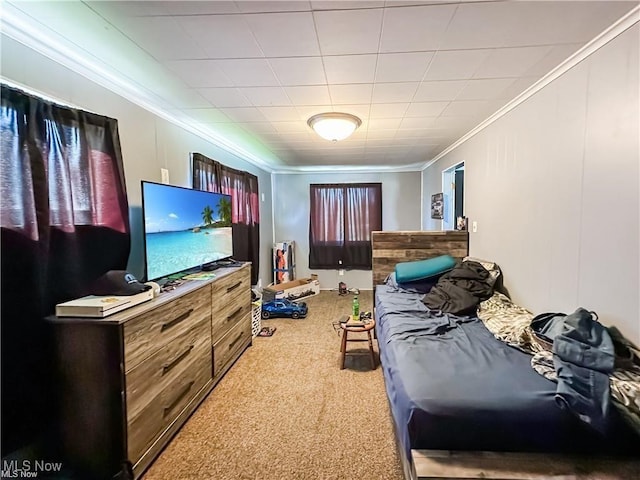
(350, 68)
(266, 96)
(133, 9)
(193, 7)
(221, 36)
(199, 73)
(291, 127)
(485, 89)
(289, 34)
(422, 151)
(414, 29)
(426, 109)
(402, 67)
(410, 123)
(309, 95)
(258, 127)
(162, 37)
(188, 98)
(467, 108)
(307, 111)
(254, 72)
(483, 25)
(207, 115)
(545, 23)
(280, 114)
(511, 62)
(454, 123)
(360, 111)
(384, 123)
(394, 92)
(456, 65)
(388, 110)
(421, 131)
(299, 71)
(354, 93)
(225, 97)
(375, 141)
(348, 31)
(244, 114)
(249, 6)
(439, 90)
(382, 135)
(346, 4)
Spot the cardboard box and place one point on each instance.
(295, 290)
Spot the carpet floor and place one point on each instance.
(285, 410)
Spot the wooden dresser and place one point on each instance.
(128, 382)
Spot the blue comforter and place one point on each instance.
(453, 386)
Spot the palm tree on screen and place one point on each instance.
(224, 209)
(207, 215)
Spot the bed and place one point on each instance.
(460, 398)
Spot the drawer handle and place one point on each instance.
(168, 366)
(236, 340)
(230, 317)
(180, 396)
(233, 287)
(175, 321)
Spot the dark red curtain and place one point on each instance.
(212, 176)
(342, 217)
(64, 222)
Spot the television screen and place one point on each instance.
(184, 228)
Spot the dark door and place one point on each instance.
(459, 194)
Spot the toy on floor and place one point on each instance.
(267, 331)
(283, 308)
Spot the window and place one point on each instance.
(341, 221)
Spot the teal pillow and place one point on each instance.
(421, 269)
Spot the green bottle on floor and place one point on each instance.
(356, 309)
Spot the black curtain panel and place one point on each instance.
(212, 176)
(342, 217)
(64, 222)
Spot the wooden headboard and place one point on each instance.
(389, 248)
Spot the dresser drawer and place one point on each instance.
(165, 366)
(227, 349)
(161, 410)
(231, 302)
(228, 317)
(151, 331)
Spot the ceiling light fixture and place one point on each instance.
(334, 126)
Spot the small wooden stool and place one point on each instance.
(345, 332)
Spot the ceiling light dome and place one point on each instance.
(334, 126)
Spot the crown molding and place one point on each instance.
(24, 29)
(617, 28)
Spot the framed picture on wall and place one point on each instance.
(437, 206)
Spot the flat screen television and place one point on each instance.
(183, 228)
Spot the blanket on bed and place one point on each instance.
(511, 324)
(461, 290)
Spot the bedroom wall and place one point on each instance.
(148, 142)
(400, 211)
(553, 185)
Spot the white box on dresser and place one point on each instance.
(128, 382)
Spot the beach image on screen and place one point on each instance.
(184, 228)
